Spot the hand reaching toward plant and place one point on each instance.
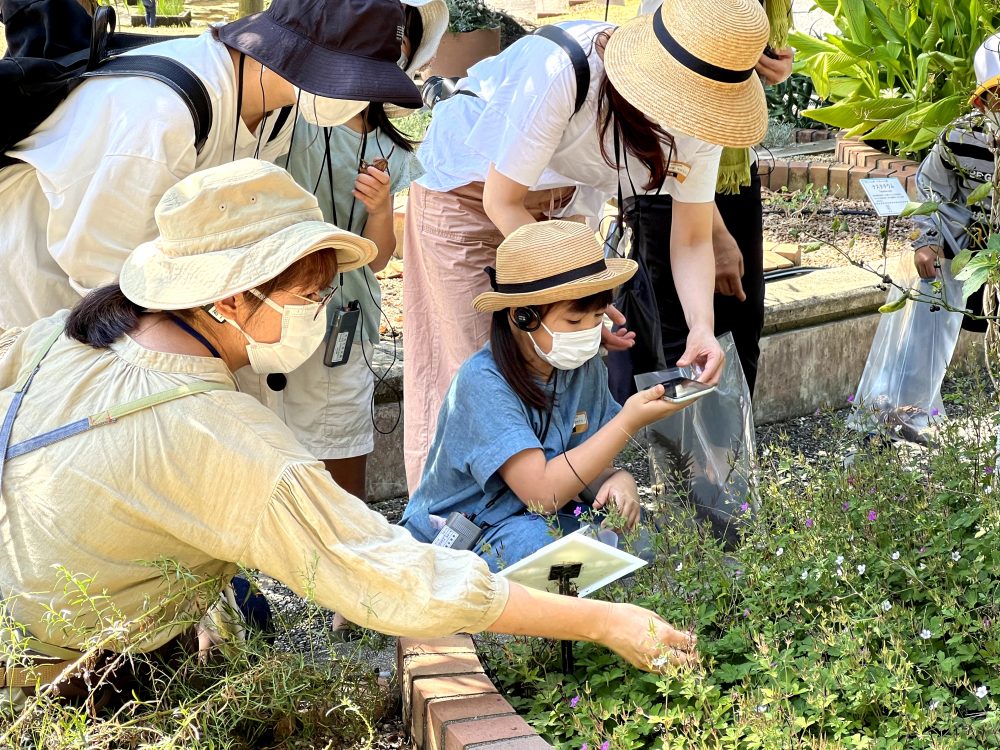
(620, 494)
(647, 641)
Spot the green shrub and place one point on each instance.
(862, 610)
(469, 15)
(899, 71)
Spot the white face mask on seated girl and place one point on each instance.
(570, 349)
(302, 331)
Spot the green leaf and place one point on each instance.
(980, 194)
(975, 280)
(913, 208)
(960, 261)
(894, 305)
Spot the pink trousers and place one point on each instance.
(448, 240)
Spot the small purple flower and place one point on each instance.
(583, 746)
(935, 412)
(577, 510)
(746, 612)
(573, 701)
(745, 508)
(809, 523)
(605, 745)
(872, 515)
(850, 399)
(988, 470)
(851, 480)
(845, 506)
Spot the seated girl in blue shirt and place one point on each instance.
(528, 423)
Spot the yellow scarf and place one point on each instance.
(734, 165)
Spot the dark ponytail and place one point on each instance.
(103, 317)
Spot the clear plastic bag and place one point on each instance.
(899, 395)
(705, 455)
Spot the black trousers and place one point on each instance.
(742, 214)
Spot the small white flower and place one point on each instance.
(925, 634)
(840, 572)
(933, 705)
(956, 556)
(839, 560)
(680, 567)
(886, 605)
(805, 575)
(763, 709)
(658, 661)
(982, 691)
(780, 552)
(862, 569)
(895, 555)
(921, 566)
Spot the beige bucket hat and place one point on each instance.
(228, 229)
(690, 67)
(434, 16)
(551, 261)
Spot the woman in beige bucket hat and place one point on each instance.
(177, 464)
(674, 87)
(529, 429)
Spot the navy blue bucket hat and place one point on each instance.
(341, 49)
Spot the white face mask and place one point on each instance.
(302, 331)
(571, 349)
(326, 112)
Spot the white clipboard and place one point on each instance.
(602, 564)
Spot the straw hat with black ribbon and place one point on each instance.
(551, 261)
(690, 66)
(228, 229)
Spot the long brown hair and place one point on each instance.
(510, 360)
(106, 314)
(639, 136)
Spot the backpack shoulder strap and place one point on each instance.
(177, 76)
(581, 66)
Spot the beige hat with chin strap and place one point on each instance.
(690, 67)
(551, 261)
(434, 16)
(229, 229)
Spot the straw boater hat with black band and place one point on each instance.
(551, 261)
(690, 67)
(341, 49)
(227, 230)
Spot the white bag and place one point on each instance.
(899, 395)
(705, 455)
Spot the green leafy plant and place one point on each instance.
(787, 101)
(898, 71)
(469, 15)
(860, 611)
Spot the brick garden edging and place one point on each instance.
(450, 704)
(855, 161)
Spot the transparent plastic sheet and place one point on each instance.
(899, 395)
(705, 455)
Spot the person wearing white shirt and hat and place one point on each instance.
(671, 86)
(88, 178)
(186, 468)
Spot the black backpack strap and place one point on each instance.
(172, 73)
(581, 66)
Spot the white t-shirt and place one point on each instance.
(522, 121)
(102, 161)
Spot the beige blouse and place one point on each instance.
(208, 481)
